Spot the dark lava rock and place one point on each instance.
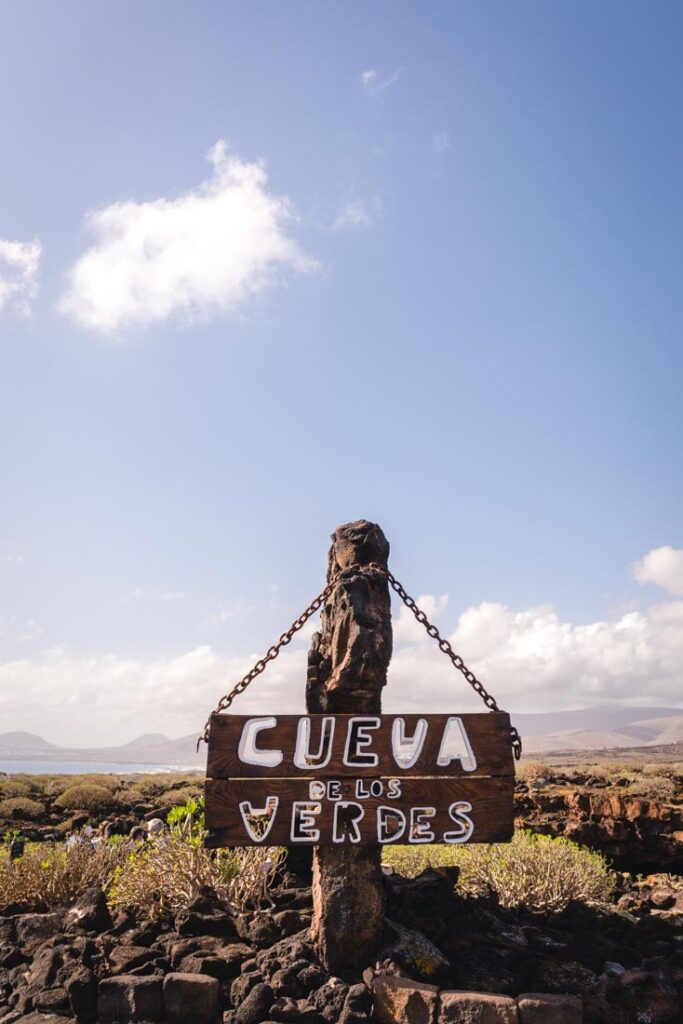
(243, 986)
(130, 1000)
(34, 929)
(123, 959)
(89, 913)
(81, 988)
(206, 915)
(329, 999)
(256, 1007)
(357, 1006)
(52, 1000)
(569, 978)
(311, 978)
(259, 929)
(190, 999)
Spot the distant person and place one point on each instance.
(156, 831)
(16, 849)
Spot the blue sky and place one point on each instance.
(449, 301)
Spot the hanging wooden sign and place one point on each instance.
(327, 780)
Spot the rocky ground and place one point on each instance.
(445, 959)
(639, 834)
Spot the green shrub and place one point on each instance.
(14, 787)
(85, 797)
(653, 787)
(158, 879)
(21, 807)
(173, 797)
(53, 875)
(538, 872)
(189, 817)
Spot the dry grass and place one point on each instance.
(53, 875)
(538, 872)
(160, 880)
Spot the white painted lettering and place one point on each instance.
(394, 789)
(460, 812)
(347, 814)
(391, 824)
(247, 750)
(303, 828)
(407, 749)
(302, 754)
(258, 821)
(420, 830)
(455, 745)
(357, 740)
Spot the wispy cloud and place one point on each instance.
(20, 631)
(10, 558)
(441, 142)
(357, 213)
(226, 613)
(19, 266)
(206, 252)
(164, 596)
(375, 83)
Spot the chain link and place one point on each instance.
(443, 644)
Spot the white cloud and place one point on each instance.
(441, 142)
(663, 567)
(374, 83)
(90, 701)
(165, 596)
(530, 660)
(19, 265)
(207, 251)
(407, 629)
(357, 214)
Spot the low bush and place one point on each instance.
(171, 797)
(53, 875)
(159, 879)
(85, 797)
(14, 787)
(654, 787)
(527, 771)
(21, 807)
(536, 871)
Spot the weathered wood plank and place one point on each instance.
(488, 735)
(464, 810)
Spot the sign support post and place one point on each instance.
(345, 779)
(348, 664)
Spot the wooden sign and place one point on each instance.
(327, 780)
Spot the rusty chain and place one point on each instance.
(273, 651)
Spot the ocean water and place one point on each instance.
(13, 766)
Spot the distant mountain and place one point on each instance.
(25, 743)
(152, 749)
(585, 729)
(602, 734)
(601, 719)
